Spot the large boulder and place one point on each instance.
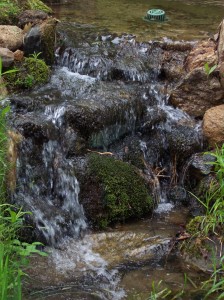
(11, 37)
(197, 93)
(213, 125)
(113, 191)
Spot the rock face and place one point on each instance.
(197, 93)
(11, 37)
(213, 125)
(202, 53)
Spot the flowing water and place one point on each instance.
(106, 92)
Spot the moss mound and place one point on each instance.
(9, 10)
(124, 192)
(31, 72)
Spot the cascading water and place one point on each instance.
(115, 98)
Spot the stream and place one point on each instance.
(107, 93)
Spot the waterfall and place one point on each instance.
(47, 186)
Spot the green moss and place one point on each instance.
(9, 11)
(31, 72)
(124, 192)
(48, 39)
(37, 5)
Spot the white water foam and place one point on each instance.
(77, 256)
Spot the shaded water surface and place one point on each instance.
(117, 264)
(190, 19)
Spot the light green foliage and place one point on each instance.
(212, 224)
(124, 192)
(209, 70)
(213, 200)
(33, 71)
(13, 253)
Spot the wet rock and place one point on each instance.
(105, 117)
(183, 141)
(172, 66)
(200, 164)
(72, 143)
(129, 247)
(197, 93)
(31, 128)
(154, 115)
(113, 191)
(213, 125)
(202, 53)
(177, 194)
(33, 17)
(11, 37)
(32, 41)
(7, 57)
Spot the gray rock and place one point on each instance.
(7, 57)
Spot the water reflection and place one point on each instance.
(190, 19)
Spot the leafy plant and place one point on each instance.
(13, 253)
(209, 70)
(212, 224)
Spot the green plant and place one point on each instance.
(159, 293)
(211, 225)
(14, 254)
(209, 70)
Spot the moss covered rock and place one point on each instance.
(9, 11)
(31, 72)
(35, 5)
(115, 192)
